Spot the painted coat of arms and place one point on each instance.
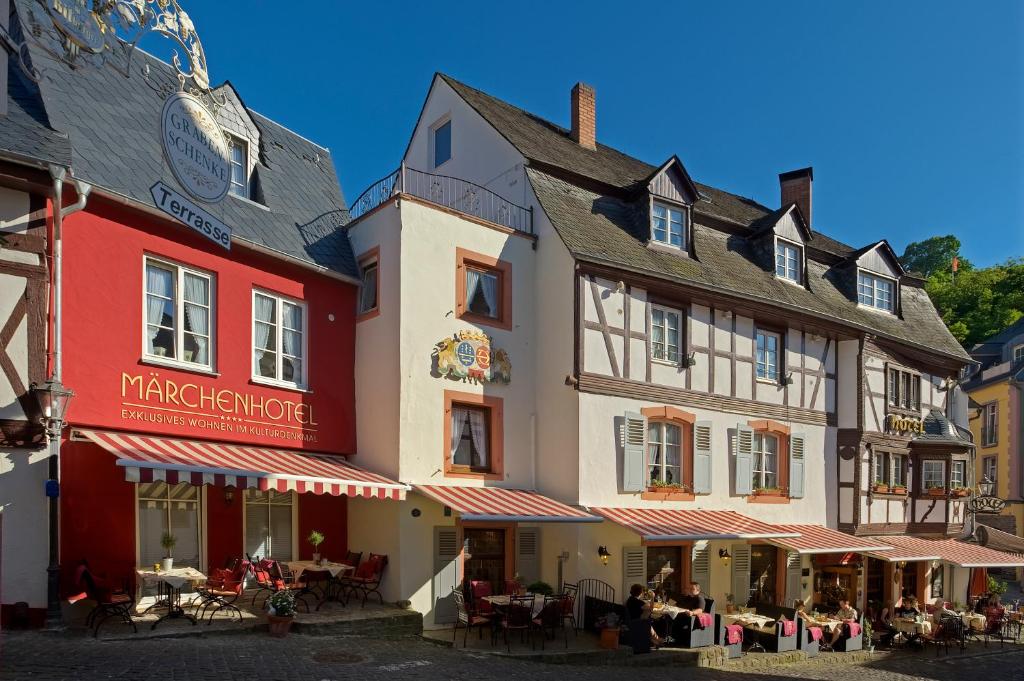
(469, 355)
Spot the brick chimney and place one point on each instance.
(795, 187)
(584, 115)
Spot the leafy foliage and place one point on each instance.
(282, 603)
(975, 303)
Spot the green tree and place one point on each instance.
(932, 255)
(978, 303)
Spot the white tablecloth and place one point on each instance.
(503, 601)
(175, 578)
(750, 620)
(299, 566)
(910, 627)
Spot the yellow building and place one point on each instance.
(996, 390)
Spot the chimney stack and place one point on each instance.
(584, 116)
(795, 187)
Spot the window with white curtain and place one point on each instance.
(483, 288)
(268, 524)
(664, 452)
(471, 431)
(279, 339)
(766, 461)
(179, 314)
(666, 339)
(239, 150)
(169, 508)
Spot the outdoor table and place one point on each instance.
(754, 622)
(973, 620)
(336, 570)
(169, 583)
(659, 610)
(504, 600)
(911, 628)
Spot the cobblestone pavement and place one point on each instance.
(38, 657)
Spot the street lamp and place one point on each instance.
(53, 399)
(986, 487)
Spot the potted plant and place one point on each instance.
(316, 539)
(937, 491)
(542, 588)
(767, 491)
(280, 612)
(168, 540)
(867, 632)
(996, 587)
(880, 488)
(517, 585)
(898, 489)
(960, 491)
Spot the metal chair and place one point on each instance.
(468, 620)
(518, 617)
(110, 601)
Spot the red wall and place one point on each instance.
(97, 513)
(224, 538)
(103, 336)
(329, 516)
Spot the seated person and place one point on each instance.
(908, 608)
(692, 602)
(801, 613)
(942, 611)
(881, 623)
(639, 612)
(845, 612)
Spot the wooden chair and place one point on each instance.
(468, 620)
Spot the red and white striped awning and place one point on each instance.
(817, 539)
(956, 551)
(506, 505)
(147, 458)
(666, 524)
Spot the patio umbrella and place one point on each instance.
(979, 582)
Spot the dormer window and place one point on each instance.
(875, 291)
(239, 153)
(441, 142)
(788, 260)
(668, 225)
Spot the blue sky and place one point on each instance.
(912, 113)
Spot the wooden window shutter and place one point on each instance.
(528, 554)
(794, 566)
(796, 465)
(741, 574)
(634, 458)
(446, 574)
(634, 568)
(700, 566)
(702, 457)
(744, 460)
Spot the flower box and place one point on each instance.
(768, 492)
(880, 489)
(936, 491)
(898, 489)
(959, 492)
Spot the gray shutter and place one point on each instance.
(794, 567)
(702, 457)
(741, 574)
(634, 568)
(796, 465)
(744, 459)
(528, 554)
(634, 437)
(700, 566)
(446, 574)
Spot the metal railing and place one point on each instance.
(451, 192)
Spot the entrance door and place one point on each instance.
(665, 569)
(486, 560)
(763, 567)
(875, 586)
(909, 581)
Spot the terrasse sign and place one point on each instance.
(195, 148)
(157, 400)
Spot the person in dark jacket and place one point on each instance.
(639, 612)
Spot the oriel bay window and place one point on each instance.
(933, 474)
(957, 475)
(179, 311)
(269, 521)
(473, 435)
(172, 509)
(279, 339)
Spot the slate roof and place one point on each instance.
(589, 197)
(111, 114)
(25, 132)
(940, 430)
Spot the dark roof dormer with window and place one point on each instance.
(669, 197)
(779, 242)
(873, 275)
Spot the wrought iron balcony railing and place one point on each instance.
(451, 192)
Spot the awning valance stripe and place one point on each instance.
(499, 503)
(147, 458)
(817, 539)
(682, 525)
(956, 551)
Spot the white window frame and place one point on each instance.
(179, 271)
(772, 374)
(760, 470)
(279, 300)
(683, 211)
(798, 251)
(990, 468)
(243, 189)
(1018, 352)
(679, 327)
(897, 470)
(880, 469)
(931, 463)
(875, 278)
(663, 445)
(957, 479)
(201, 519)
(295, 518)
(432, 148)
(990, 424)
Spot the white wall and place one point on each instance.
(23, 527)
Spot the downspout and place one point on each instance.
(58, 173)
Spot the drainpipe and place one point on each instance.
(58, 173)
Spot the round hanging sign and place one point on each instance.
(195, 148)
(76, 20)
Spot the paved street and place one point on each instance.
(36, 657)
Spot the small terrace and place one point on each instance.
(449, 192)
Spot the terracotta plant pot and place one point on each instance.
(279, 626)
(610, 638)
(898, 490)
(937, 491)
(881, 489)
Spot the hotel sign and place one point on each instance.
(195, 148)
(468, 355)
(151, 398)
(903, 425)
